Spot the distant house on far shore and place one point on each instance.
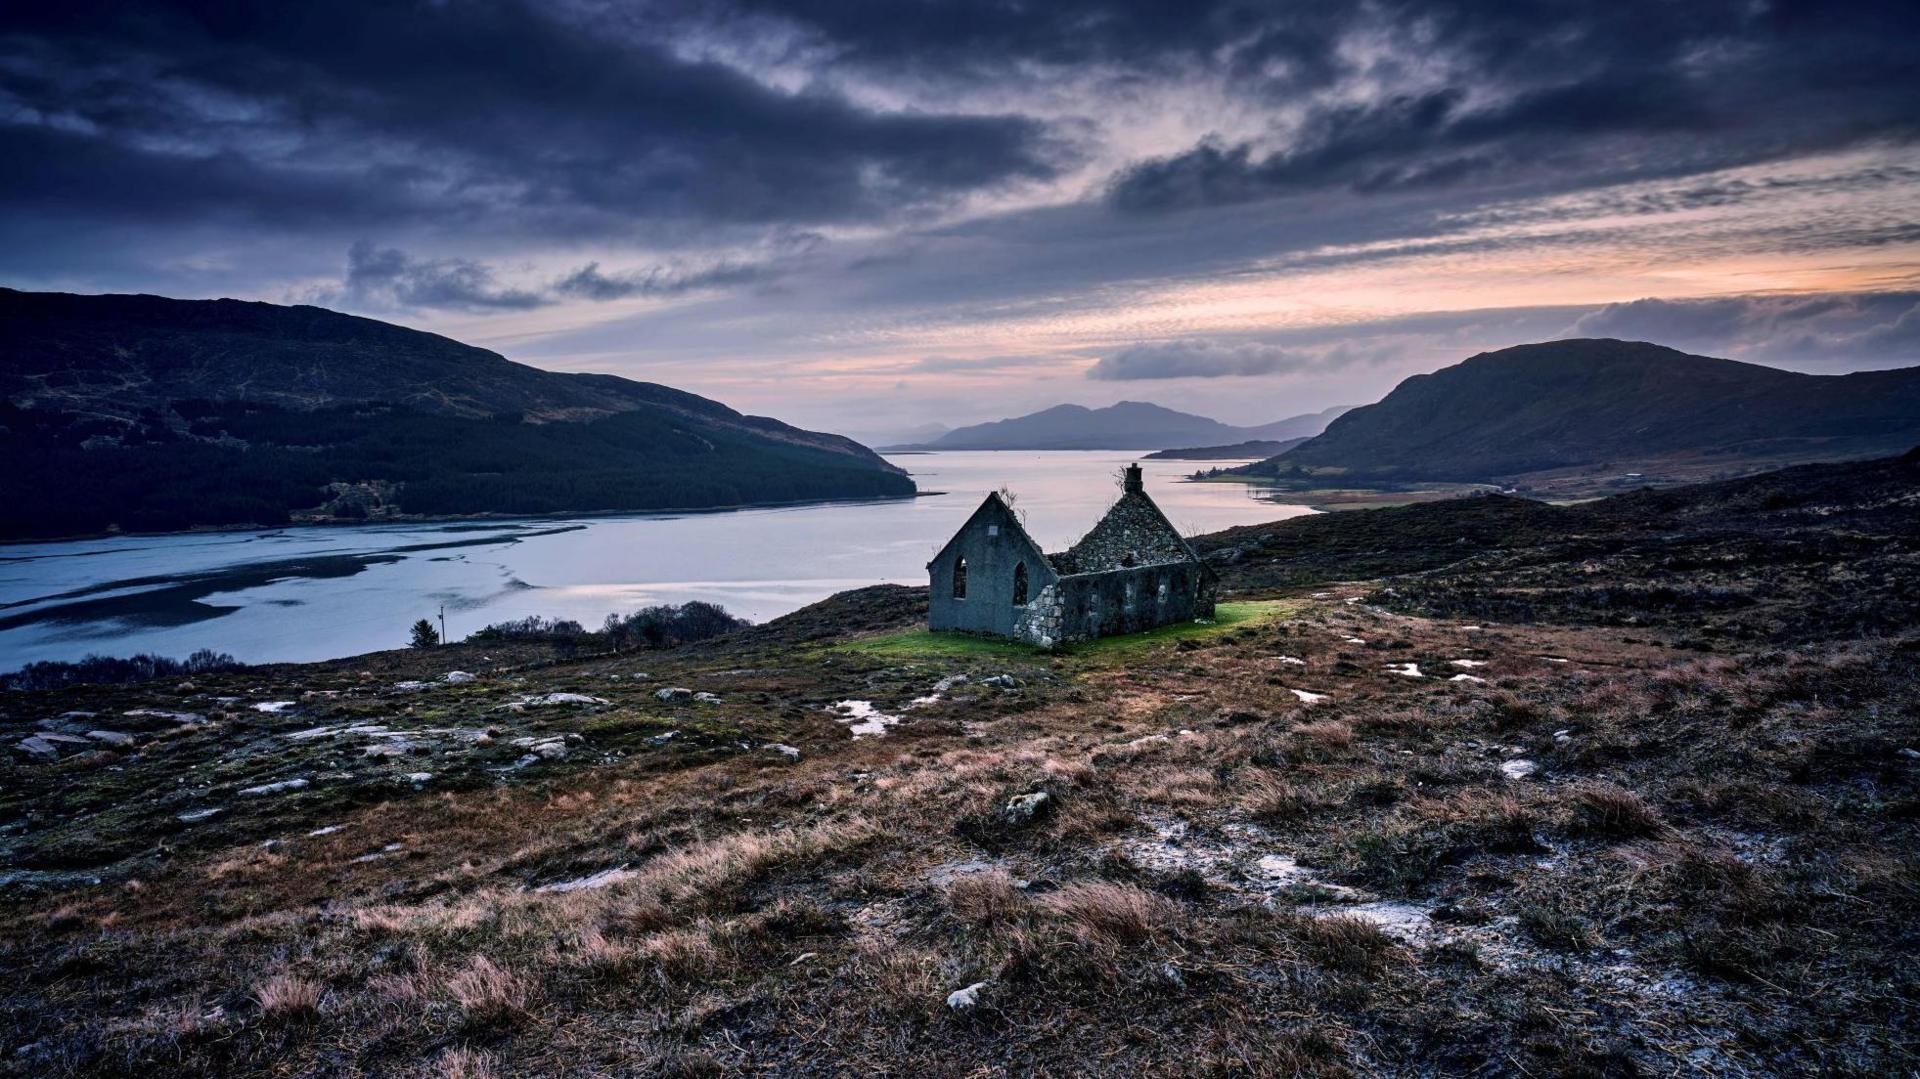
(1132, 572)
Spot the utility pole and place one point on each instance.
(443, 623)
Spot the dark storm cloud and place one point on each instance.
(589, 282)
(1202, 359)
(1574, 94)
(387, 277)
(1836, 330)
(489, 112)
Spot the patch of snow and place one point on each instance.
(1469, 664)
(328, 830)
(1308, 697)
(561, 698)
(791, 753)
(1556, 659)
(1469, 629)
(1323, 595)
(1353, 599)
(193, 816)
(417, 778)
(411, 685)
(459, 677)
(1354, 640)
(862, 718)
(276, 788)
(1467, 678)
(275, 707)
(1518, 768)
(1409, 670)
(589, 882)
(707, 698)
(1403, 920)
(1295, 660)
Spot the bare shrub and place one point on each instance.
(1610, 810)
(288, 996)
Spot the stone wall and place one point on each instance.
(1086, 606)
(1133, 533)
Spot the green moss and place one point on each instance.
(928, 644)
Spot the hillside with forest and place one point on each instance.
(1584, 404)
(141, 413)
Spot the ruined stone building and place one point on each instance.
(1133, 571)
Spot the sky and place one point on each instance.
(866, 215)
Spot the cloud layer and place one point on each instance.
(821, 207)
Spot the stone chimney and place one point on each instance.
(1134, 484)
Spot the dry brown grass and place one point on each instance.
(460, 1062)
(1120, 913)
(488, 994)
(288, 996)
(986, 899)
(1607, 809)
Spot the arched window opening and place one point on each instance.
(959, 578)
(1161, 597)
(1020, 585)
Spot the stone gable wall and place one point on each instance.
(1133, 533)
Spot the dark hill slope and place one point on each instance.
(145, 413)
(1593, 402)
(1815, 551)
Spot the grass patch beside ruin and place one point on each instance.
(947, 644)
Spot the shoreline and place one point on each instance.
(475, 518)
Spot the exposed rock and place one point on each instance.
(459, 677)
(1001, 681)
(1023, 808)
(1226, 556)
(791, 753)
(707, 698)
(419, 778)
(1518, 768)
(674, 693)
(961, 1000)
(113, 738)
(193, 816)
(38, 746)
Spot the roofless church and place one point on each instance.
(1133, 571)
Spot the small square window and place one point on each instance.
(993, 530)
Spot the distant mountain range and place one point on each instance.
(1583, 403)
(1129, 425)
(1239, 451)
(145, 413)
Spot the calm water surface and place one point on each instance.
(319, 592)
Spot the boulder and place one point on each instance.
(460, 677)
(121, 739)
(674, 693)
(782, 749)
(962, 1000)
(1023, 808)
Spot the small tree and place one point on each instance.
(424, 635)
